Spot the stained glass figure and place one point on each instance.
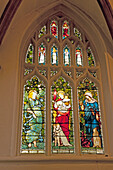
(27, 71)
(53, 73)
(54, 29)
(69, 73)
(33, 130)
(66, 54)
(79, 57)
(65, 29)
(43, 72)
(90, 118)
(78, 73)
(42, 31)
(54, 55)
(41, 54)
(90, 56)
(29, 55)
(77, 33)
(62, 117)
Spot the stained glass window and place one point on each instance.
(65, 29)
(42, 31)
(29, 55)
(66, 56)
(62, 117)
(54, 55)
(54, 28)
(33, 131)
(77, 33)
(79, 57)
(90, 56)
(42, 54)
(90, 118)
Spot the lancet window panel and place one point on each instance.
(59, 54)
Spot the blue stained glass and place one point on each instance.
(54, 55)
(66, 56)
(90, 118)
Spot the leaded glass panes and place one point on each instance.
(51, 53)
(62, 117)
(42, 31)
(66, 56)
(54, 28)
(77, 33)
(30, 53)
(79, 57)
(41, 54)
(90, 118)
(90, 56)
(65, 29)
(33, 130)
(54, 55)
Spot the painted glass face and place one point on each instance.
(54, 28)
(65, 29)
(90, 118)
(90, 56)
(41, 54)
(54, 55)
(66, 56)
(30, 54)
(79, 57)
(62, 117)
(33, 130)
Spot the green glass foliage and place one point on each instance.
(62, 117)
(43, 72)
(27, 71)
(78, 73)
(53, 73)
(77, 33)
(68, 73)
(90, 56)
(42, 31)
(29, 55)
(33, 131)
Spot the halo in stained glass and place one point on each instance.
(54, 28)
(62, 117)
(66, 56)
(42, 54)
(30, 54)
(91, 60)
(90, 118)
(54, 55)
(33, 123)
(65, 29)
(79, 56)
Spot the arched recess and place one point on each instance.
(89, 30)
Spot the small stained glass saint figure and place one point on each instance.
(66, 56)
(54, 55)
(78, 57)
(54, 29)
(65, 30)
(41, 54)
